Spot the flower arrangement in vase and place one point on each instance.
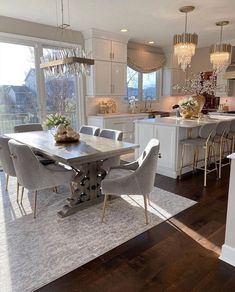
(188, 106)
(197, 85)
(133, 103)
(56, 119)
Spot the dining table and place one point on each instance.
(84, 156)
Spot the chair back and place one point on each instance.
(90, 130)
(223, 127)
(111, 134)
(145, 173)
(232, 125)
(207, 129)
(6, 161)
(26, 164)
(27, 128)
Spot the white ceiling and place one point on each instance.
(156, 20)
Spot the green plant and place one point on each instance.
(56, 119)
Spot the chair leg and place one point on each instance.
(215, 162)
(145, 209)
(71, 188)
(35, 204)
(17, 191)
(55, 190)
(182, 160)
(220, 158)
(104, 207)
(205, 165)
(7, 182)
(148, 199)
(22, 195)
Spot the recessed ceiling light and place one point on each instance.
(124, 30)
(151, 42)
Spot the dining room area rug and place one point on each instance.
(34, 252)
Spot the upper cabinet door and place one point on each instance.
(102, 80)
(119, 52)
(119, 86)
(102, 49)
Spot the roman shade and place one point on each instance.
(144, 58)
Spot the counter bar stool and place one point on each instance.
(89, 130)
(203, 141)
(221, 139)
(231, 134)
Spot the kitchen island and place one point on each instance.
(170, 131)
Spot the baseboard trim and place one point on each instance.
(228, 254)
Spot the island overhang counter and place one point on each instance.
(170, 131)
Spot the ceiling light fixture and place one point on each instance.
(124, 30)
(185, 43)
(151, 42)
(65, 61)
(220, 53)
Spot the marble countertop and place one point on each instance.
(117, 115)
(182, 123)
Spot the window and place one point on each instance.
(26, 96)
(60, 95)
(18, 88)
(143, 85)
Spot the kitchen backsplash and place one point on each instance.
(163, 104)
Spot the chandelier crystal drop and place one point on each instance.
(66, 61)
(185, 43)
(220, 53)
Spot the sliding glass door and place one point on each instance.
(18, 87)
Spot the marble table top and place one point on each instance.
(88, 149)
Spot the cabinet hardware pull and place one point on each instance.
(113, 55)
(159, 155)
(110, 55)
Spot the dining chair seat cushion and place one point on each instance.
(120, 181)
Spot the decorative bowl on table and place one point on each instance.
(188, 107)
(66, 134)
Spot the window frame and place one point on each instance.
(140, 85)
(38, 45)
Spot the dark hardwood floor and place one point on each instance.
(180, 254)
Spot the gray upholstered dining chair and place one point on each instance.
(114, 135)
(89, 130)
(6, 161)
(135, 178)
(27, 128)
(34, 176)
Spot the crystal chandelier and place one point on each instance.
(65, 61)
(185, 43)
(220, 53)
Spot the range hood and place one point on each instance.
(230, 71)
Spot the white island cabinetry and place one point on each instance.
(170, 131)
(121, 122)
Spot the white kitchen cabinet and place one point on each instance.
(107, 50)
(122, 122)
(171, 77)
(118, 79)
(107, 78)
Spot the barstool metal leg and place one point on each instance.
(182, 160)
(205, 164)
(104, 207)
